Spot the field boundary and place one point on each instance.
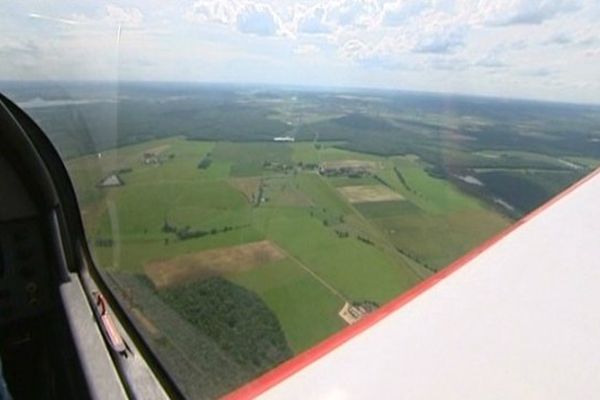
(312, 273)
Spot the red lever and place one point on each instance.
(108, 327)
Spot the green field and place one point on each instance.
(336, 251)
(293, 296)
(333, 251)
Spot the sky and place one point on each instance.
(539, 49)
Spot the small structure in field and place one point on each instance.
(284, 139)
(351, 313)
(111, 181)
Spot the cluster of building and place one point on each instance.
(352, 312)
(150, 158)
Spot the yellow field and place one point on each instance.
(369, 193)
(337, 164)
(157, 150)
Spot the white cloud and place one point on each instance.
(130, 17)
(24, 53)
(592, 53)
(491, 61)
(355, 49)
(258, 19)
(307, 49)
(110, 15)
(221, 11)
(423, 39)
(397, 12)
(352, 12)
(559, 39)
(538, 72)
(245, 16)
(448, 64)
(440, 39)
(518, 45)
(524, 12)
(385, 53)
(312, 20)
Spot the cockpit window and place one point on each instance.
(254, 177)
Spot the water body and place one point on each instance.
(470, 180)
(488, 155)
(503, 204)
(569, 164)
(38, 102)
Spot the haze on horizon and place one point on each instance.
(535, 49)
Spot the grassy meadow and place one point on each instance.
(336, 251)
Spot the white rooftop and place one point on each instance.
(111, 180)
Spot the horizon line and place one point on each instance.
(312, 87)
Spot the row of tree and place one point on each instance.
(187, 232)
(205, 161)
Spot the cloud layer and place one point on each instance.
(511, 47)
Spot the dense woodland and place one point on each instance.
(383, 123)
(235, 318)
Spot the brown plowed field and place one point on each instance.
(213, 262)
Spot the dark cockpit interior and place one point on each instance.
(39, 359)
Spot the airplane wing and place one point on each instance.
(517, 317)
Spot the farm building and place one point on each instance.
(352, 313)
(151, 158)
(284, 139)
